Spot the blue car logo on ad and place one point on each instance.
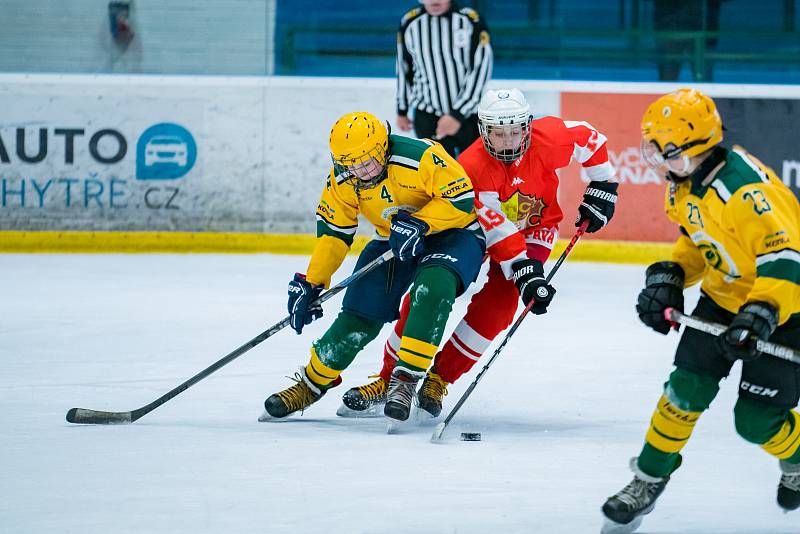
(165, 151)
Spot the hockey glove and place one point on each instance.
(408, 236)
(598, 204)
(663, 289)
(529, 279)
(302, 308)
(755, 321)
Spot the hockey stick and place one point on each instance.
(715, 329)
(437, 432)
(95, 417)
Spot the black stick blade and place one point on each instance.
(82, 416)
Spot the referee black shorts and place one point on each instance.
(425, 126)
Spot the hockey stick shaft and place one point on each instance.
(86, 416)
(437, 434)
(715, 329)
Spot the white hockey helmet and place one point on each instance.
(504, 121)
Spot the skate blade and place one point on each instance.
(395, 426)
(612, 527)
(372, 411)
(265, 417)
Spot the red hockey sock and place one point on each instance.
(490, 312)
(459, 355)
(392, 344)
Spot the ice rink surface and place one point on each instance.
(561, 411)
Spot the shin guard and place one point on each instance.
(686, 396)
(432, 298)
(490, 312)
(670, 427)
(786, 443)
(460, 352)
(338, 346)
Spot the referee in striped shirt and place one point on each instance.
(444, 60)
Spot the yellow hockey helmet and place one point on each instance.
(359, 144)
(682, 123)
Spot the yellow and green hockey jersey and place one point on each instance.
(421, 179)
(739, 233)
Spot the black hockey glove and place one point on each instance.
(755, 320)
(529, 279)
(598, 204)
(302, 308)
(663, 289)
(408, 236)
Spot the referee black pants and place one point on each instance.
(425, 126)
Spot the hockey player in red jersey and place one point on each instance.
(513, 168)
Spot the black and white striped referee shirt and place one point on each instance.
(443, 62)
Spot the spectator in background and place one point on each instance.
(444, 60)
(684, 16)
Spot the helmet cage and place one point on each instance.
(506, 155)
(351, 168)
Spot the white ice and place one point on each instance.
(561, 411)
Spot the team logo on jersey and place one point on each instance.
(516, 181)
(716, 256)
(387, 213)
(525, 211)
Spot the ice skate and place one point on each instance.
(430, 395)
(624, 511)
(364, 401)
(400, 396)
(789, 486)
(295, 398)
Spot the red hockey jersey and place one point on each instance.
(517, 203)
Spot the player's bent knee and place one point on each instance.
(756, 421)
(433, 285)
(690, 391)
(345, 338)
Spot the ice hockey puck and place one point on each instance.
(470, 436)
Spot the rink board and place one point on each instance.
(202, 164)
(197, 242)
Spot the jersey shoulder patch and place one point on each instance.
(471, 13)
(411, 15)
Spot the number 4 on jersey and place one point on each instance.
(385, 195)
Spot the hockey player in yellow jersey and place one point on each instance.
(740, 238)
(421, 203)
